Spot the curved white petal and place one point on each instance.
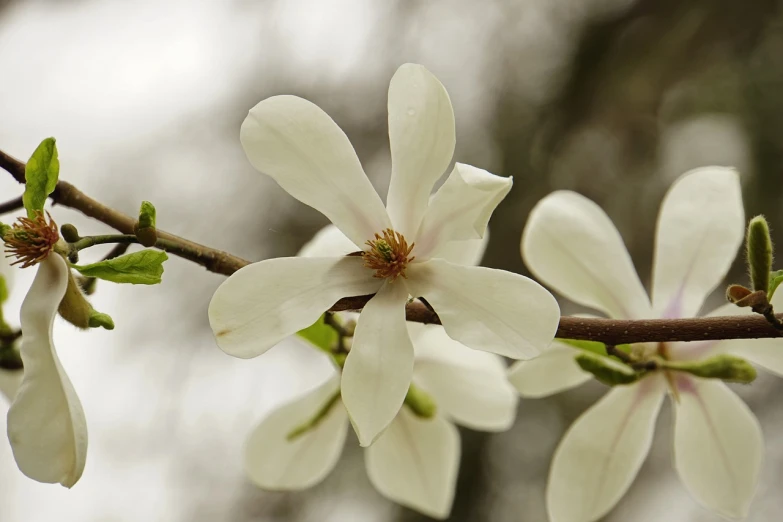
(468, 386)
(460, 209)
(554, 371)
(486, 309)
(601, 453)
(571, 245)
(263, 303)
(422, 137)
(298, 145)
(468, 252)
(718, 447)
(700, 227)
(46, 425)
(10, 380)
(328, 242)
(274, 462)
(379, 368)
(415, 463)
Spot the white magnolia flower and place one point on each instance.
(572, 246)
(46, 425)
(415, 461)
(298, 145)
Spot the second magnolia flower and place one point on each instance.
(300, 146)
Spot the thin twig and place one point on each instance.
(609, 331)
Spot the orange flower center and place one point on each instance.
(388, 255)
(31, 240)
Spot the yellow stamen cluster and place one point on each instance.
(31, 240)
(388, 255)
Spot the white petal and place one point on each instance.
(273, 462)
(552, 372)
(10, 380)
(718, 447)
(415, 463)
(601, 453)
(328, 242)
(263, 303)
(468, 252)
(422, 137)
(700, 227)
(486, 309)
(46, 425)
(297, 144)
(460, 209)
(468, 386)
(571, 245)
(379, 368)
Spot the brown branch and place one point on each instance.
(11, 206)
(609, 331)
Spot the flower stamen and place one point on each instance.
(31, 240)
(388, 255)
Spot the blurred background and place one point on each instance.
(611, 98)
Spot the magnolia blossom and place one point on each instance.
(46, 425)
(300, 147)
(415, 461)
(572, 246)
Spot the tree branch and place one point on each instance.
(11, 206)
(608, 331)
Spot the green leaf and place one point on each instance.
(139, 268)
(40, 174)
(319, 334)
(147, 215)
(606, 369)
(595, 347)
(775, 278)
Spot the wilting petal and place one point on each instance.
(379, 368)
(328, 242)
(486, 309)
(297, 144)
(700, 227)
(10, 380)
(46, 425)
(415, 463)
(553, 371)
(468, 386)
(263, 303)
(601, 453)
(718, 447)
(274, 462)
(460, 209)
(422, 137)
(571, 245)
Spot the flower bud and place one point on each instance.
(144, 228)
(75, 308)
(606, 370)
(759, 251)
(420, 402)
(69, 233)
(724, 367)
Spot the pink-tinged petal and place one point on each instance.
(572, 246)
(468, 386)
(422, 136)
(460, 209)
(272, 461)
(379, 367)
(328, 242)
(700, 227)
(718, 446)
(415, 463)
(486, 309)
(601, 453)
(263, 303)
(46, 425)
(554, 371)
(299, 146)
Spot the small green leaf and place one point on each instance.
(147, 215)
(41, 173)
(145, 227)
(606, 369)
(775, 278)
(139, 268)
(320, 334)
